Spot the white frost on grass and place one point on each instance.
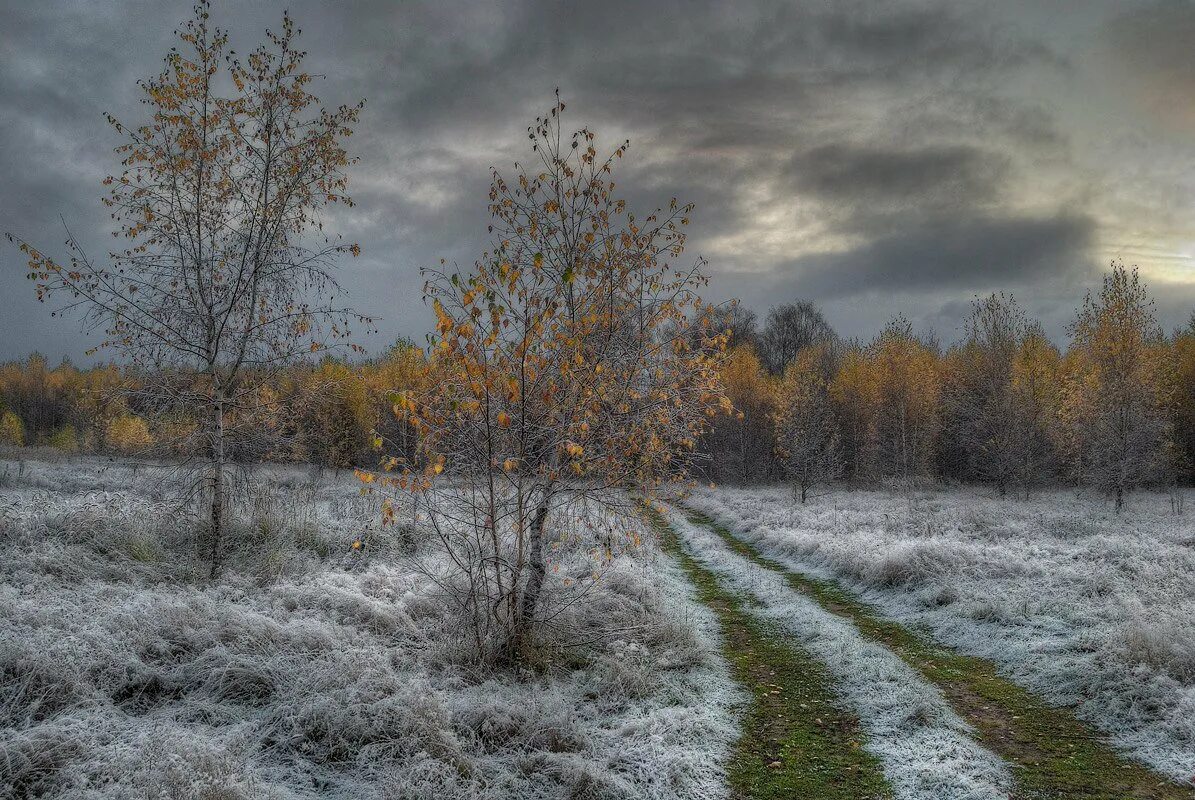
(1086, 607)
(679, 745)
(312, 670)
(925, 748)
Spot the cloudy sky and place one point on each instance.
(874, 157)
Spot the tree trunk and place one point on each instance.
(743, 450)
(217, 509)
(538, 569)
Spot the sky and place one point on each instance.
(872, 157)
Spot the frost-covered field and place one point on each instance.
(314, 669)
(1089, 608)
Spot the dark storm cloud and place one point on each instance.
(853, 174)
(888, 41)
(952, 253)
(880, 132)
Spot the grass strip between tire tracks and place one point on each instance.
(797, 740)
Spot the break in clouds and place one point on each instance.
(872, 157)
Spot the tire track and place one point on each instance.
(1052, 754)
(926, 750)
(797, 738)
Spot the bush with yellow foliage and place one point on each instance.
(12, 430)
(64, 439)
(127, 433)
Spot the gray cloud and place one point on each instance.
(1153, 46)
(857, 175)
(834, 149)
(951, 253)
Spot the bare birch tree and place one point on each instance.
(983, 416)
(789, 329)
(227, 273)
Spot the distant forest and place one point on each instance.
(1003, 405)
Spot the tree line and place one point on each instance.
(1003, 405)
(326, 412)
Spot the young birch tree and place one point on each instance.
(909, 392)
(855, 394)
(742, 444)
(1182, 392)
(980, 404)
(226, 273)
(565, 377)
(1115, 404)
(1035, 377)
(806, 425)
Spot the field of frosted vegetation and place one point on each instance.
(1087, 607)
(317, 669)
(326, 662)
